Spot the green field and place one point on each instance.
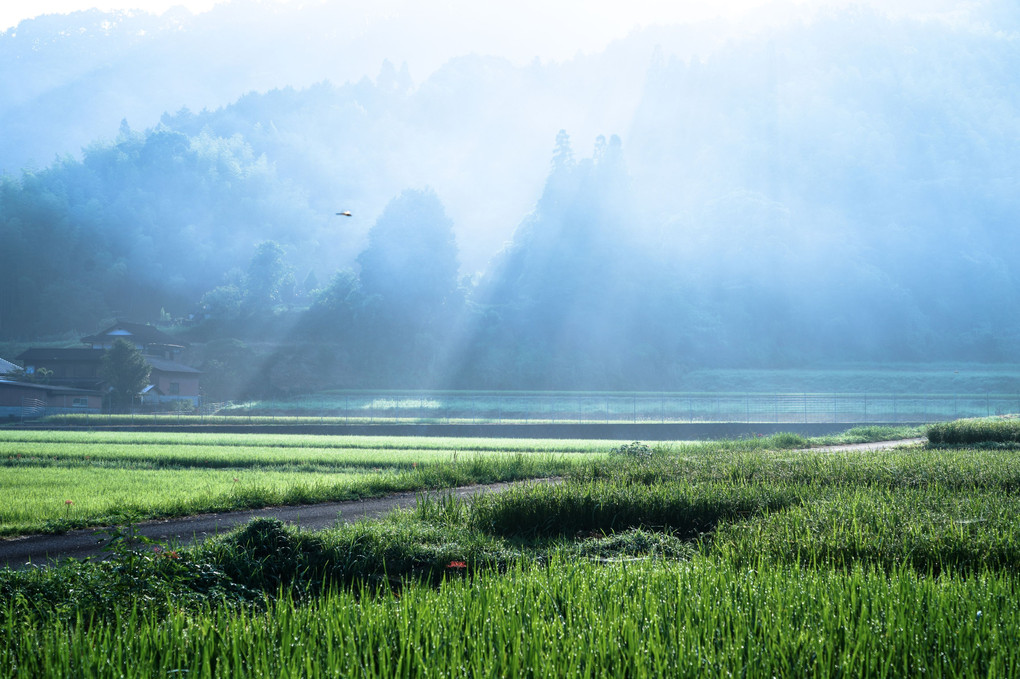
(54, 480)
(740, 558)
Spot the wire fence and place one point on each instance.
(530, 407)
(584, 408)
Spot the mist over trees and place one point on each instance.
(839, 189)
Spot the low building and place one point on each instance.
(171, 381)
(76, 368)
(25, 399)
(147, 339)
(81, 368)
(6, 368)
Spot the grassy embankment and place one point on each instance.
(725, 560)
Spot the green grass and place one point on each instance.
(108, 476)
(300, 442)
(746, 558)
(970, 431)
(36, 498)
(569, 619)
(111, 476)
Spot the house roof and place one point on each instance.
(168, 366)
(32, 356)
(35, 355)
(51, 388)
(7, 367)
(136, 332)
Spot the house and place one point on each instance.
(171, 381)
(75, 368)
(25, 399)
(6, 368)
(81, 368)
(146, 338)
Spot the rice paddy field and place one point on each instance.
(55, 480)
(730, 559)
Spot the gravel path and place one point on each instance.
(22, 552)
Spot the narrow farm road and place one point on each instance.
(22, 552)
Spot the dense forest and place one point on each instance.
(843, 188)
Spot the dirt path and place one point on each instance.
(21, 552)
(41, 549)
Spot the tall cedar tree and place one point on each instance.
(125, 371)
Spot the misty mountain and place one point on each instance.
(837, 188)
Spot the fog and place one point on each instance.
(535, 202)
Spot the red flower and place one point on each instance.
(456, 564)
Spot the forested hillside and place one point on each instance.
(834, 189)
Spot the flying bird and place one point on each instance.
(343, 214)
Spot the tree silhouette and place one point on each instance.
(411, 258)
(125, 371)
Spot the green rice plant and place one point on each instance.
(310, 441)
(57, 498)
(58, 480)
(969, 432)
(634, 543)
(697, 560)
(929, 529)
(569, 619)
(679, 507)
(869, 434)
(906, 467)
(267, 556)
(46, 497)
(145, 456)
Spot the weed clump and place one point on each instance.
(635, 543)
(635, 449)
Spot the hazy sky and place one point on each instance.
(611, 14)
(589, 24)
